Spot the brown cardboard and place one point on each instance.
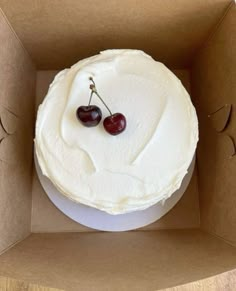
(47, 218)
(58, 34)
(220, 118)
(8, 284)
(225, 281)
(148, 260)
(214, 85)
(16, 99)
(225, 147)
(9, 121)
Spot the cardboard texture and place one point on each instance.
(221, 117)
(58, 34)
(8, 284)
(17, 82)
(214, 85)
(47, 218)
(149, 260)
(197, 35)
(225, 281)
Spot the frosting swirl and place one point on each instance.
(136, 169)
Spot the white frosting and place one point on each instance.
(131, 171)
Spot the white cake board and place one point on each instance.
(101, 220)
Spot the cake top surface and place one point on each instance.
(141, 166)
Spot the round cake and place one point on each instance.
(135, 169)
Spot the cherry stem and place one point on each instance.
(90, 99)
(94, 90)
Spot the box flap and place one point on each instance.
(214, 86)
(57, 35)
(17, 79)
(148, 260)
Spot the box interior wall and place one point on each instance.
(195, 40)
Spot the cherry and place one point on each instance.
(115, 123)
(89, 115)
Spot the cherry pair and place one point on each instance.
(91, 115)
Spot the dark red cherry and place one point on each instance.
(115, 123)
(89, 115)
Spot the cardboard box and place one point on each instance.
(194, 244)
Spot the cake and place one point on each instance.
(135, 169)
